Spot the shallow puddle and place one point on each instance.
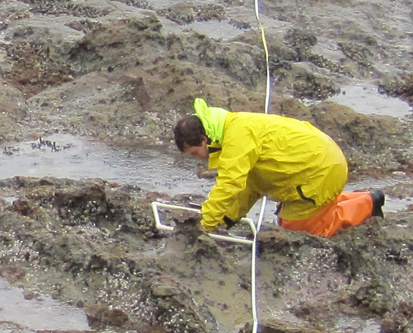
(221, 29)
(67, 156)
(78, 158)
(38, 314)
(366, 99)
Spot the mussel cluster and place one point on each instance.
(67, 7)
(33, 70)
(358, 53)
(399, 88)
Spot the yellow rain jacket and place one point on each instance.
(287, 160)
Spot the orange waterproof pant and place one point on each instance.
(348, 209)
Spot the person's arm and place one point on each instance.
(230, 196)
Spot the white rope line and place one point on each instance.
(264, 199)
(264, 44)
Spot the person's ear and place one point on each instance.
(204, 139)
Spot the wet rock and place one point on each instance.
(180, 13)
(399, 88)
(23, 207)
(12, 273)
(314, 87)
(376, 296)
(210, 12)
(135, 88)
(85, 25)
(358, 53)
(173, 308)
(185, 13)
(401, 321)
(12, 111)
(136, 3)
(68, 7)
(33, 70)
(99, 315)
(240, 24)
(97, 48)
(80, 204)
(323, 62)
(300, 39)
(30, 295)
(295, 109)
(352, 131)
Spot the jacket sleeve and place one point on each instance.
(231, 196)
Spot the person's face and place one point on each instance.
(199, 152)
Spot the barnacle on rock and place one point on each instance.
(402, 87)
(67, 7)
(300, 39)
(185, 13)
(209, 12)
(136, 3)
(240, 24)
(84, 25)
(314, 87)
(180, 13)
(323, 62)
(358, 53)
(33, 70)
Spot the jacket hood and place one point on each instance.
(212, 118)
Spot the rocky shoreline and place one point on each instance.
(123, 72)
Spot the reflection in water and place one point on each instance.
(367, 100)
(149, 169)
(39, 314)
(222, 29)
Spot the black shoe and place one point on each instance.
(378, 202)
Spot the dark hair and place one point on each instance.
(189, 130)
